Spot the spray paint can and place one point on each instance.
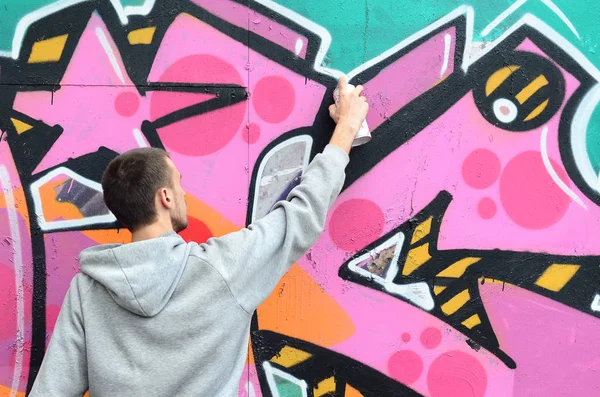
(364, 135)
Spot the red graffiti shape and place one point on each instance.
(529, 195)
(456, 374)
(405, 366)
(211, 131)
(356, 223)
(481, 169)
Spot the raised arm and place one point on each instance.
(253, 260)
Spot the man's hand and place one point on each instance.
(349, 113)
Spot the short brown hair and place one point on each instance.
(130, 183)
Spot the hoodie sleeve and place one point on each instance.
(64, 369)
(253, 259)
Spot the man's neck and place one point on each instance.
(149, 232)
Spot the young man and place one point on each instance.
(161, 317)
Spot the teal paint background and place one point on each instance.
(362, 29)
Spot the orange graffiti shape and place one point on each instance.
(300, 308)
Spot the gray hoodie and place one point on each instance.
(163, 317)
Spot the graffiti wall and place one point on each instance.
(462, 256)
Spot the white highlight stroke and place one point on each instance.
(299, 45)
(469, 55)
(465, 11)
(144, 9)
(49, 9)
(320, 31)
(498, 20)
(139, 138)
(125, 13)
(417, 293)
(270, 373)
(110, 54)
(119, 9)
(596, 303)
(13, 223)
(579, 126)
(561, 15)
(552, 35)
(32, 17)
(250, 389)
(447, 44)
(546, 159)
(306, 139)
(325, 36)
(37, 200)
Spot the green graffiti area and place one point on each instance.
(361, 30)
(459, 256)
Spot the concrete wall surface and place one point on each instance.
(461, 258)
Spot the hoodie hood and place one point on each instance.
(140, 276)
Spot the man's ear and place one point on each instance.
(166, 199)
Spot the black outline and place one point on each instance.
(531, 65)
(28, 148)
(323, 364)
(518, 268)
(235, 96)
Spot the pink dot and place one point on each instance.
(456, 374)
(431, 338)
(206, 133)
(8, 300)
(127, 103)
(481, 168)
(406, 337)
(251, 133)
(274, 98)
(504, 110)
(486, 208)
(356, 223)
(529, 195)
(405, 366)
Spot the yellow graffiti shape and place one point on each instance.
(20, 126)
(324, 387)
(472, 321)
(421, 231)
(537, 111)
(557, 276)
(416, 258)
(290, 356)
(141, 36)
(49, 50)
(456, 302)
(531, 89)
(499, 77)
(457, 269)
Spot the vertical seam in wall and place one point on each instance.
(249, 66)
(248, 171)
(366, 31)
